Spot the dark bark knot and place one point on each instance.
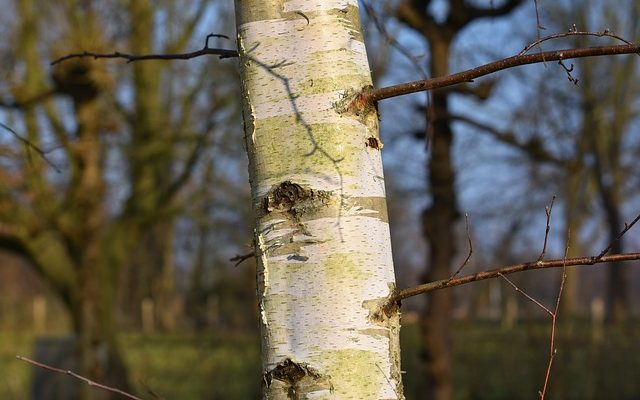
(374, 143)
(295, 199)
(298, 378)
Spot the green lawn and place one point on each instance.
(491, 363)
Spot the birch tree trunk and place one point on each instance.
(322, 235)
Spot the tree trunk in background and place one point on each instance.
(80, 219)
(72, 227)
(607, 114)
(617, 305)
(322, 236)
(574, 217)
(440, 217)
(439, 224)
(150, 171)
(83, 230)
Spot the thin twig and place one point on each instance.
(79, 377)
(569, 71)
(539, 26)
(29, 145)
(466, 261)
(391, 40)
(554, 318)
(522, 292)
(240, 258)
(369, 96)
(547, 211)
(622, 232)
(206, 50)
(572, 32)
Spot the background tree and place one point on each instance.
(125, 162)
(557, 148)
(440, 26)
(294, 364)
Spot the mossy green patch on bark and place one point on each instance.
(341, 268)
(284, 147)
(354, 373)
(259, 10)
(326, 84)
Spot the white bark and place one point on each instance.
(322, 234)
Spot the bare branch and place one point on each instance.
(370, 95)
(539, 26)
(528, 266)
(554, 319)
(466, 260)
(568, 70)
(533, 148)
(573, 32)
(547, 211)
(29, 145)
(79, 377)
(240, 258)
(522, 292)
(620, 235)
(392, 40)
(206, 50)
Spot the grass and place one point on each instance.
(490, 363)
(494, 363)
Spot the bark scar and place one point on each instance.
(299, 379)
(295, 199)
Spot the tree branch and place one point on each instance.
(564, 262)
(533, 147)
(206, 50)
(462, 14)
(506, 8)
(27, 102)
(79, 377)
(29, 145)
(480, 276)
(369, 95)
